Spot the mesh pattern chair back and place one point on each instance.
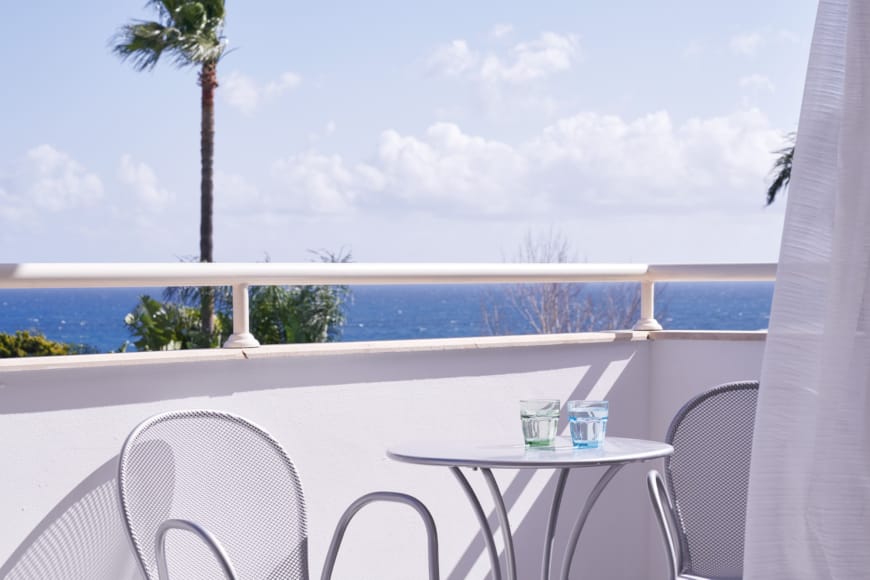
(224, 474)
(708, 477)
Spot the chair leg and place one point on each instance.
(664, 511)
(384, 496)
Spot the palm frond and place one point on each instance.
(781, 170)
(780, 183)
(197, 50)
(191, 31)
(142, 43)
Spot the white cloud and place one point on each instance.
(234, 191)
(610, 160)
(551, 53)
(446, 168)
(449, 167)
(736, 150)
(501, 30)
(245, 94)
(329, 129)
(587, 162)
(527, 61)
(10, 209)
(746, 44)
(52, 180)
(453, 59)
(143, 180)
(287, 81)
(315, 182)
(240, 92)
(41, 190)
(757, 82)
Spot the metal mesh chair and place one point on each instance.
(702, 499)
(209, 495)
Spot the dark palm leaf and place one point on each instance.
(782, 170)
(141, 43)
(190, 31)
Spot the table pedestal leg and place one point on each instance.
(501, 512)
(551, 523)
(481, 519)
(578, 527)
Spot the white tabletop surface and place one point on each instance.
(517, 456)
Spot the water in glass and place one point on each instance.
(588, 422)
(539, 431)
(540, 418)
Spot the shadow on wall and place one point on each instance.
(82, 538)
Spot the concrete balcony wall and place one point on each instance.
(685, 363)
(336, 408)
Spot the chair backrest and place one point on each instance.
(224, 474)
(708, 477)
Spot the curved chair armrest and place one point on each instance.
(664, 510)
(208, 539)
(387, 496)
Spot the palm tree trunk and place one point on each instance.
(208, 82)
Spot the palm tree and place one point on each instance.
(782, 170)
(190, 32)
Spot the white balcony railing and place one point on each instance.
(242, 275)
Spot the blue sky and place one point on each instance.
(406, 131)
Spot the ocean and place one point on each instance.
(95, 317)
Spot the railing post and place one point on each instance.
(241, 336)
(647, 309)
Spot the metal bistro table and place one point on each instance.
(615, 453)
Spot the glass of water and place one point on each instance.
(588, 422)
(540, 418)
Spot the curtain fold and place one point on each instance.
(808, 514)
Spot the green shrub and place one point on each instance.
(287, 314)
(23, 343)
(167, 326)
(278, 314)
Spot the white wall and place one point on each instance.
(684, 364)
(336, 409)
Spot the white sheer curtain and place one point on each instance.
(808, 515)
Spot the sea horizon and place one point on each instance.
(94, 317)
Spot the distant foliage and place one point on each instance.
(278, 315)
(23, 343)
(549, 308)
(166, 326)
(288, 314)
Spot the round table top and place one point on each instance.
(563, 454)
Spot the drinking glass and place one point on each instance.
(588, 422)
(540, 418)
